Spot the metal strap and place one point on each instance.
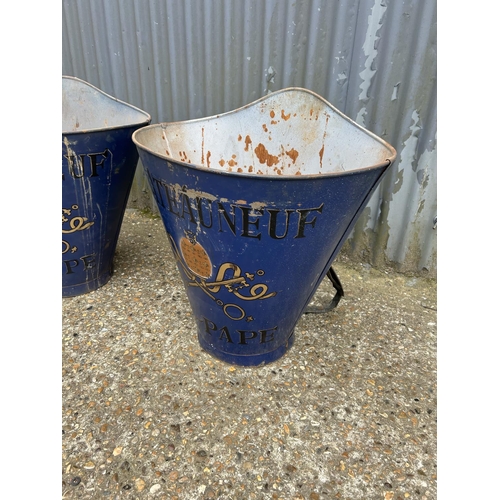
(332, 276)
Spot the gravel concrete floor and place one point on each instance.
(349, 412)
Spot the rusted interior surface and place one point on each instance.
(291, 133)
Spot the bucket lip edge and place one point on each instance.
(147, 116)
(390, 159)
(358, 171)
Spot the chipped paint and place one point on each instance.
(369, 46)
(194, 193)
(259, 205)
(360, 117)
(409, 150)
(395, 91)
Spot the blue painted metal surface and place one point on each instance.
(98, 165)
(257, 202)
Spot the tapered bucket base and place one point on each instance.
(90, 286)
(248, 359)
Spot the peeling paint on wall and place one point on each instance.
(418, 177)
(395, 91)
(370, 46)
(370, 51)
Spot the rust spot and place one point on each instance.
(239, 137)
(232, 163)
(167, 152)
(264, 126)
(77, 124)
(250, 168)
(260, 172)
(298, 173)
(272, 114)
(264, 156)
(293, 154)
(202, 145)
(240, 170)
(273, 122)
(285, 117)
(247, 142)
(209, 154)
(233, 156)
(278, 172)
(321, 151)
(311, 112)
(221, 163)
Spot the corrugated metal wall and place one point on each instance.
(375, 60)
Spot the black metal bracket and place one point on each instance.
(337, 285)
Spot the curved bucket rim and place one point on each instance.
(147, 116)
(286, 177)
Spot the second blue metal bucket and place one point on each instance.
(257, 203)
(99, 160)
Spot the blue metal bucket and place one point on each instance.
(98, 165)
(257, 202)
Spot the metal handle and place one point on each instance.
(332, 276)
